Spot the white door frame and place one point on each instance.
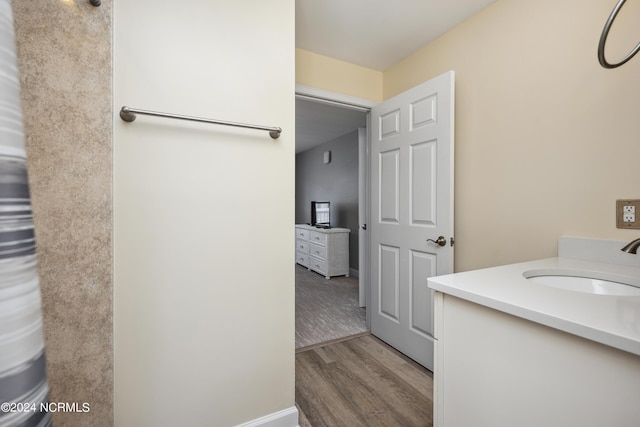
(363, 215)
(334, 98)
(360, 104)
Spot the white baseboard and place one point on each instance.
(285, 418)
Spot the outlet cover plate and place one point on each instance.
(622, 213)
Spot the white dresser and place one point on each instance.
(325, 251)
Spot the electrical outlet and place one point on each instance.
(626, 213)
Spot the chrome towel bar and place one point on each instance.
(128, 114)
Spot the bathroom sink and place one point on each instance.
(583, 281)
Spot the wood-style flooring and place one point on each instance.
(326, 309)
(362, 382)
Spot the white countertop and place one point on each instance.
(607, 319)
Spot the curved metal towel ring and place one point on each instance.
(603, 40)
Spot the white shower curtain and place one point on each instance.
(23, 377)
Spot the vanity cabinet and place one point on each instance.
(495, 369)
(325, 251)
(510, 351)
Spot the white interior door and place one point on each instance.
(411, 202)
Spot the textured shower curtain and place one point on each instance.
(23, 377)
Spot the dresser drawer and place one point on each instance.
(318, 251)
(318, 238)
(317, 264)
(301, 233)
(302, 246)
(302, 258)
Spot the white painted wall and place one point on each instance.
(203, 214)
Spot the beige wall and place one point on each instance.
(203, 214)
(64, 54)
(333, 75)
(546, 139)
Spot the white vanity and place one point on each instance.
(323, 250)
(514, 351)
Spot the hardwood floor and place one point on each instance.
(362, 382)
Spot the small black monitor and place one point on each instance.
(321, 214)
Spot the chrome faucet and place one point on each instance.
(632, 247)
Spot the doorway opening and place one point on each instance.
(331, 167)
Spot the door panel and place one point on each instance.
(423, 111)
(422, 265)
(389, 187)
(390, 274)
(389, 124)
(423, 183)
(412, 198)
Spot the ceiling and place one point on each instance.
(317, 123)
(377, 33)
(372, 33)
